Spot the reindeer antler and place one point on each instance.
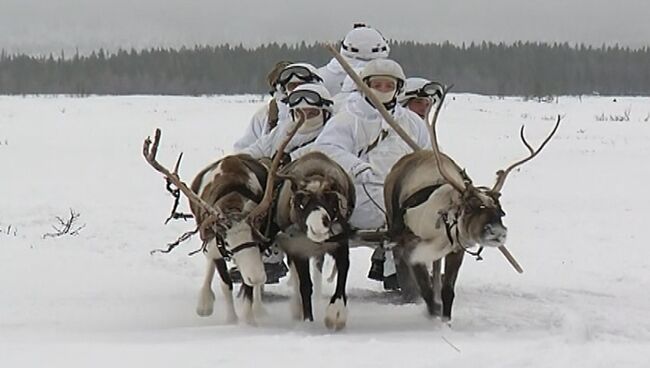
(502, 174)
(451, 180)
(459, 186)
(149, 151)
(261, 209)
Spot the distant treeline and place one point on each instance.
(523, 68)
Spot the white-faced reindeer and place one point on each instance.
(313, 208)
(228, 199)
(435, 211)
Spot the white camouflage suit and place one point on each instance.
(335, 79)
(259, 126)
(267, 145)
(346, 139)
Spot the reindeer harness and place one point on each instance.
(220, 241)
(451, 225)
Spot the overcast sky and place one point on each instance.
(39, 26)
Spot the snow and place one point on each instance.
(575, 214)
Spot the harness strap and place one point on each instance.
(413, 200)
(454, 224)
(286, 152)
(382, 135)
(227, 254)
(302, 145)
(243, 246)
(420, 196)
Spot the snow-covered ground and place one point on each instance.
(576, 216)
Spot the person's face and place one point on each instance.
(383, 84)
(420, 106)
(309, 112)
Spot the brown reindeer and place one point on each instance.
(234, 185)
(229, 199)
(435, 211)
(313, 208)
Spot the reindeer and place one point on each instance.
(234, 185)
(229, 199)
(427, 186)
(435, 211)
(313, 207)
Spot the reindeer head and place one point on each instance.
(241, 242)
(318, 206)
(479, 213)
(233, 191)
(479, 217)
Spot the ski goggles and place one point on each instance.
(430, 89)
(298, 71)
(310, 97)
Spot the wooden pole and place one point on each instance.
(375, 101)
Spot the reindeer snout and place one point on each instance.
(493, 229)
(495, 234)
(251, 267)
(256, 280)
(255, 276)
(318, 225)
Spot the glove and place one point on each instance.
(367, 176)
(284, 159)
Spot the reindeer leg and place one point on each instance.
(248, 305)
(423, 279)
(436, 279)
(302, 271)
(336, 315)
(407, 285)
(294, 303)
(317, 276)
(226, 289)
(205, 305)
(453, 262)
(258, 307)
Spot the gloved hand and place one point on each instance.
(367, 176)
(284, 159)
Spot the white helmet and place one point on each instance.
(311, 95)
(420, 87)
(364, 43)
(297, 72)
(384, 68)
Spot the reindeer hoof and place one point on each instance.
(206, 304)
(336, 315)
